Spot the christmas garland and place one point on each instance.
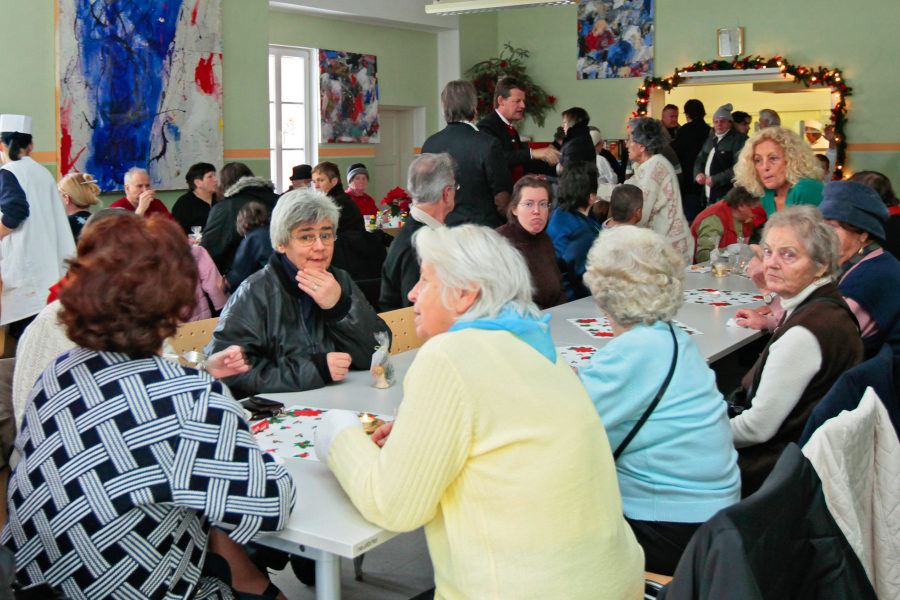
(808, 76)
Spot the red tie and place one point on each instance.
(518, 170)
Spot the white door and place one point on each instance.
(394, 151)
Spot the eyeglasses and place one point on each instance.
(308, 239)
(530, 205)
(454, 187)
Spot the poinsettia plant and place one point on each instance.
(510, 63)
(398, 200)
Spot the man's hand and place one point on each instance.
(702, 179)
(144, 201)
(548, 154)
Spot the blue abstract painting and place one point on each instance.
(140, 84)
(615, 38)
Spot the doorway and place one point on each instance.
(395, 149)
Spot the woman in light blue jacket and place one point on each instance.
(679, 467)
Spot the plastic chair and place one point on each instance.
(403, 329)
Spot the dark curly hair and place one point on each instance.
(131, 283)
(576, 184)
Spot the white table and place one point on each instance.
(324, 524)
(717, 340)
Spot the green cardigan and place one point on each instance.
(806, 191)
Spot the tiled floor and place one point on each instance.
(396, 570)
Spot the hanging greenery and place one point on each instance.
(808, 76)
(510, 63)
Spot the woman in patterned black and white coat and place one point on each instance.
(126, 460)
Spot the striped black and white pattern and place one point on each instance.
(124, 465)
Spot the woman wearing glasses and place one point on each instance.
(303, 323)
(528, 214)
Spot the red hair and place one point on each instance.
(131, 284)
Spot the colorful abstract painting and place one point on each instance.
(348, 83)
(615, 38)
(140, 84)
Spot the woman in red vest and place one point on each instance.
(723, 220)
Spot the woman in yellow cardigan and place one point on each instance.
(497, 449)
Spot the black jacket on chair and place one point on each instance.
(779, 543)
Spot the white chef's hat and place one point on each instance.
(15, 124)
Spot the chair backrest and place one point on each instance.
(193, 335)
(403, 329)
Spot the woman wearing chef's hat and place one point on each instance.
(35, 236)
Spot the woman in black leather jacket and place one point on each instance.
(302, 323)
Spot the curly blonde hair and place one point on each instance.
(635, 276)
(799, 158)
(80, 188)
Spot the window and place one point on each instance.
(293, 110)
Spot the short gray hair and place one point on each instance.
(818, 238)
(130, 173)
(767, 114)
(635, 276)
(428, 175)
(476, 257)
(297, 207)
(648, 132)
(458, 101)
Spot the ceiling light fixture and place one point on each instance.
(457, 7)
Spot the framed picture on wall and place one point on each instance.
(140, 85)
(615, 38)
(348, 83)
(731, 41)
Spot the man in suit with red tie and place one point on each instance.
(509, 106)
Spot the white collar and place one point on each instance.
(469, 123)
(424, 218)
(789, 304)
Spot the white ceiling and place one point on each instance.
(408, 14)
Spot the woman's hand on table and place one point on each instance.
(227, 362)
(755, 270)
(380, 435)
(320, 285)
(748, 317)
(338, 364)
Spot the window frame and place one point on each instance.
(311, 101)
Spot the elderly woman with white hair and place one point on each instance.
(477, 455)
(657, 397)
(654, 174)
(302, 323)
(816, 341)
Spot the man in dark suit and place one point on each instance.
(714, 167)
(481, 173)
(687, 144)
(433, 189)
(509, 107)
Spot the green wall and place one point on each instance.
(29, 78)
(407, 63)
(811, 32)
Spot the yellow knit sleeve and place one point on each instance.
(399, 486)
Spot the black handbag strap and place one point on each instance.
(659, 395)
